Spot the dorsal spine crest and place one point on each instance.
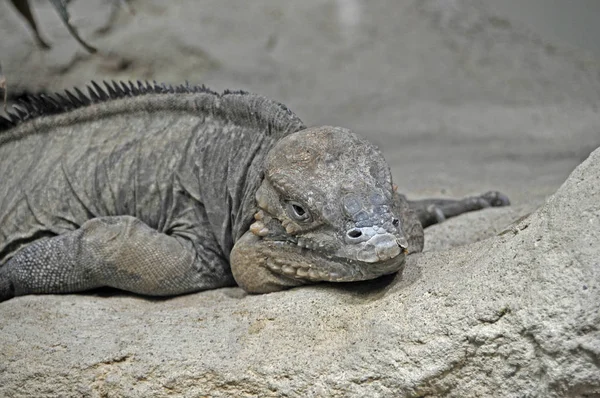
(38, 105)
(33, 106)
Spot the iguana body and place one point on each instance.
(161, 191)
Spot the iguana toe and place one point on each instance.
(496, 199)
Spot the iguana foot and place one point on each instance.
(495, 199)
(433, 211)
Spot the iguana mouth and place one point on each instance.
(350, 270)
(299, 258)
(291, 260)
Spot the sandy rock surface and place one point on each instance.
(513, 315)
(459, 100)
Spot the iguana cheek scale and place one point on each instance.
(163, 190)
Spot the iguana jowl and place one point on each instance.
(164, 190)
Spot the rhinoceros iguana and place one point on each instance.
(163, 190)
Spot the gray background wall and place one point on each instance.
(573, 22)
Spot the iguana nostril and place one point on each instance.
(354, 233)
(395, 222)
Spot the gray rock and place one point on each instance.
(514, 315)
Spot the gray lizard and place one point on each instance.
(163, 190)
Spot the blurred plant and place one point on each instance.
(61, 8)
(3, 87)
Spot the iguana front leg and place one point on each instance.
(120, 252)
(433, 211)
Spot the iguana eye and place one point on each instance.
(297, 212)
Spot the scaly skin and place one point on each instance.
(163, 190)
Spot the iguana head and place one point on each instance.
(325, 213)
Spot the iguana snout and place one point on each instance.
(326, 213)
(374, 234)
(375, 244)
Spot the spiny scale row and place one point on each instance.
(33, 106)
